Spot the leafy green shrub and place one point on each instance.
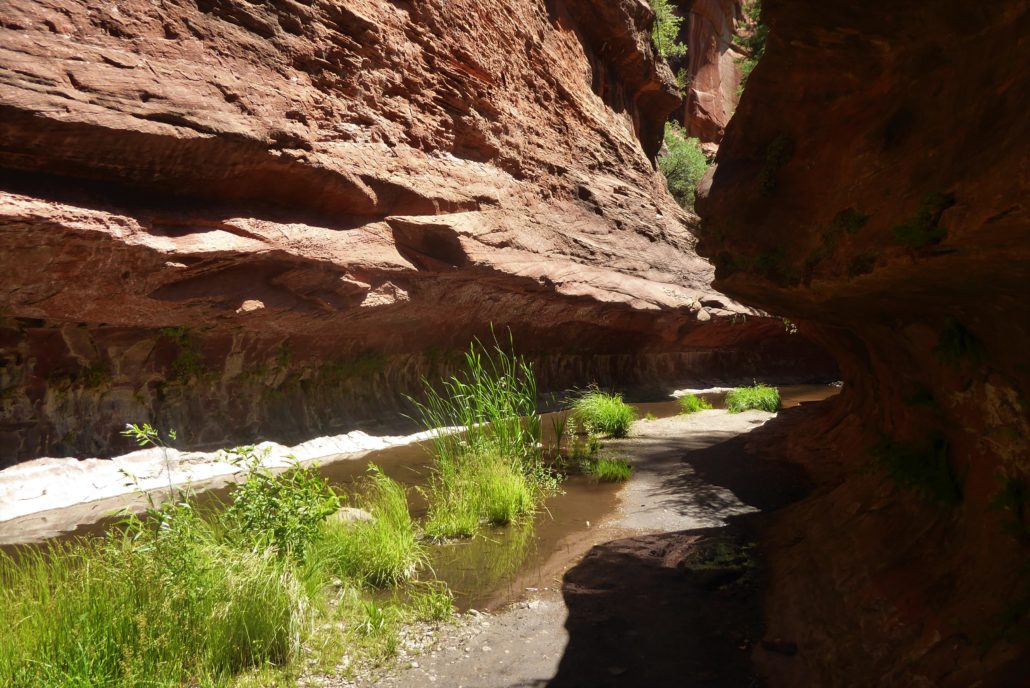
(607, 413)
(753, 42)
(379, 552)
(284, 511)
(760, 397)
(691, 403)
(684, 164)
(666, 30)
(925, 468)
(609, 470)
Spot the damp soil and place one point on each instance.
(665, 591)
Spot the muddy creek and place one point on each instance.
(489, 571)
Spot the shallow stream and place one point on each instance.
(501, 563)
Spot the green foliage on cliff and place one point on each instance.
(922, 467)
(683, 165)
(923, 229)
(188, 364)
(666, 29)
(752, 40)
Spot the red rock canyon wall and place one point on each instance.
(874, 183)
(270, 219)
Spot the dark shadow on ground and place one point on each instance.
(684, 608)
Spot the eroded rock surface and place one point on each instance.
(711, 66)
(270, 219)
(874, 182)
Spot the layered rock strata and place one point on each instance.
(269, 220)
(874, 183)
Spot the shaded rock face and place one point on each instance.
(271, 219)
(711, 65)
(874, 183)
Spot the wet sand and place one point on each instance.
(663, 592)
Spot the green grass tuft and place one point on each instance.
(760, 397)
(607, 413)
(609, 470)
(380, 552)
(691, 403)
(480, 489)
(432, 602)
(160, 606)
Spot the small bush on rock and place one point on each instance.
(683, 165)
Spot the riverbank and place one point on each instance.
(670, 561)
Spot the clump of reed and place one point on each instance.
(758, 396)
(491, 471)
(606, 413)
(691, 403)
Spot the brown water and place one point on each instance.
(497, 566)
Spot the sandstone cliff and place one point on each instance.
(711, 66)
(874, 182)
(250, 220)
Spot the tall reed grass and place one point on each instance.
(167, 606)
(492, 470)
